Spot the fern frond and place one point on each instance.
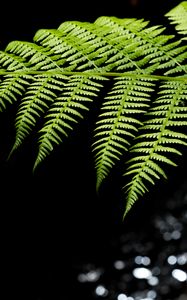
(157, 140)
(56, 76)
(37, 56)
(122, 107)
(154, 47)
(112, 44)
(75, 52)
(11, 87)
(12, 62)
(67, 108)
(40, 94)
(178, 15)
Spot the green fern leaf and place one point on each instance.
(38, 97)
(67, 108)
(12, 62)
(178, 15)
(128, 99)
(154, 145)
(12, 87)
(37, 56)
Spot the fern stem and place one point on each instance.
(93, 73)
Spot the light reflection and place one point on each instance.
(122, 297)
(152, 294)
(119, 265)
(82, 278)
(141, 273)
(153, 281)
(172, 260)
(179, 275)
(176, 235)
(91, 276)
(144, 260)
(167, 236)
(170, 228)
(182, 259)
(101, 291)
(171, 220)
(138, 260)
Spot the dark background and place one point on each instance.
(53, 219)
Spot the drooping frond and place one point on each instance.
(178, 15)
(39, 95)
(158, 139)
(55, 77)
(119, 121)
(66, 109)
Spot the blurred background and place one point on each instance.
(59, 239)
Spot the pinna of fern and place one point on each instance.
(57, 77)
(157, 139)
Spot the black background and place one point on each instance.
(53, 219)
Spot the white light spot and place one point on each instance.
(176, 235)
(119, 265)
(172, 260)
(152, 294)
(91, 276)
(141, 273)
(179, 275)
(138, 260)
(182, 259)
(146, 260)
(82, 278)
(122, 297)
(153, 281)
(130, 298)
(167, 236)
(101, 291)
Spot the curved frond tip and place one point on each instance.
(157, 140)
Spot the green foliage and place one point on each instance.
(144, 112)
(178, 15)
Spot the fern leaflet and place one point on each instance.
(76, 94)
(128, 99)
(157, 139)
(38, 97)
(178, 15)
